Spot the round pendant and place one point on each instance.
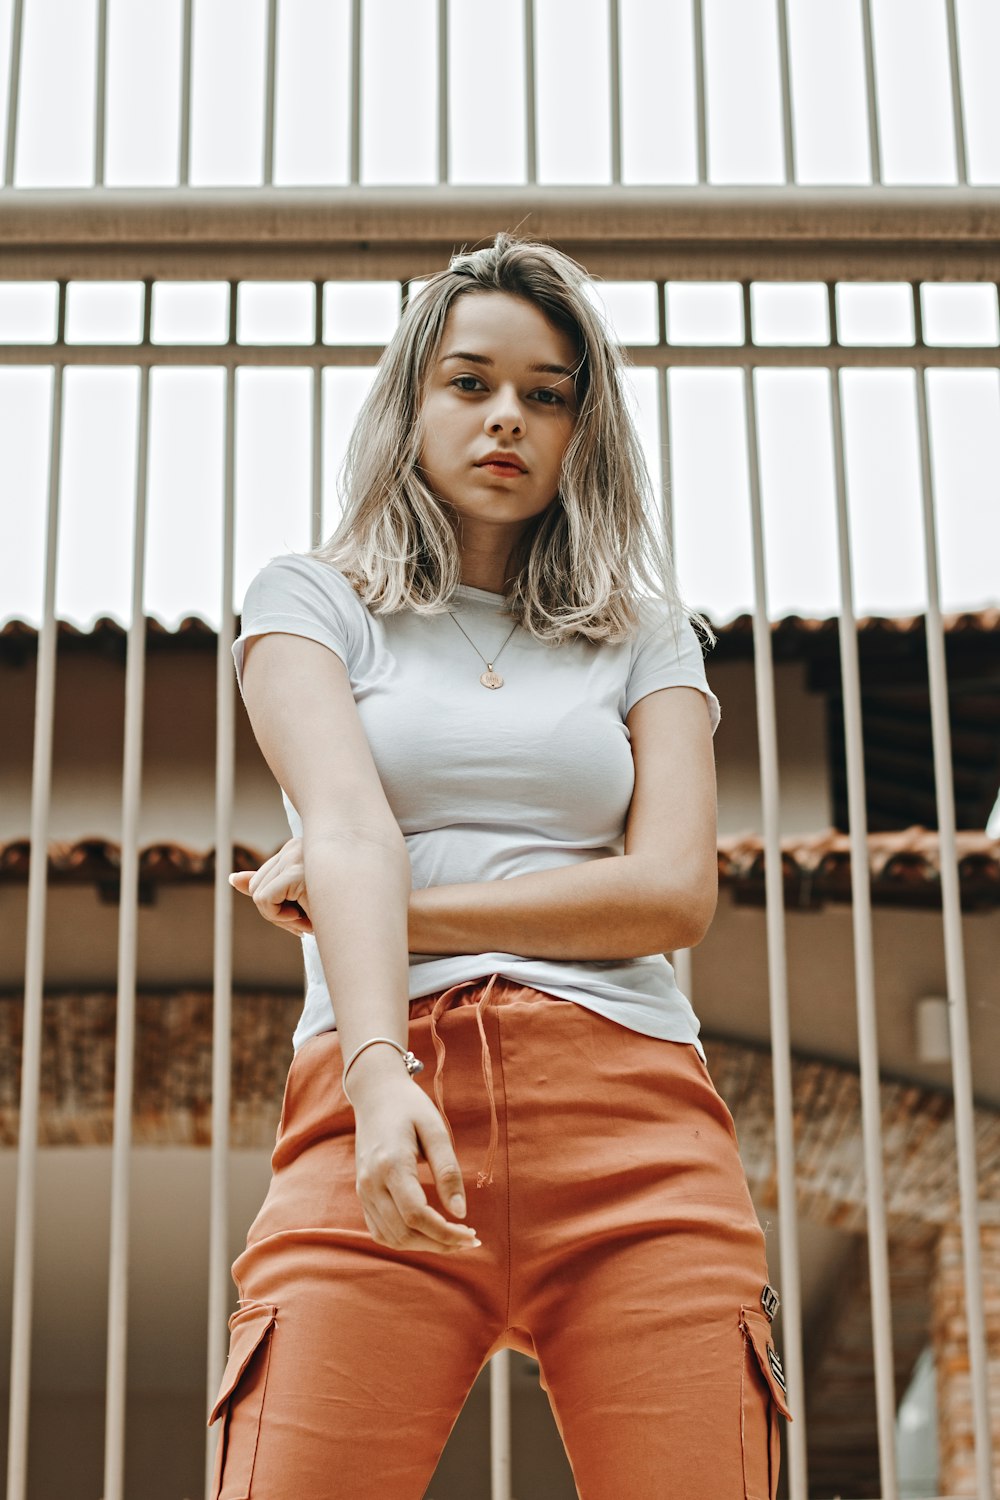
(491, 679)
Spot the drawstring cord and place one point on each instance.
(485, 1177)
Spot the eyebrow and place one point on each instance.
(483, 359)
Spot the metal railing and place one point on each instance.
(616, 17)
(698, 232)
(662, 356)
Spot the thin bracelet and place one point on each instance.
(412, 1064)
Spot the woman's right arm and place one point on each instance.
(302, 711)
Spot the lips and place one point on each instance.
(507, 464)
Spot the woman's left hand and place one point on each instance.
(278, 888)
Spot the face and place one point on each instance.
(498, 413)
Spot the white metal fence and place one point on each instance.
(662, 356)
(886, 62)
(620, 230)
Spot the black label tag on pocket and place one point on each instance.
(776, 1369)
(769, 1301)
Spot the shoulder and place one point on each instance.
(665, 625)
(295, 583)
(295, 594)
(288, 569)
(667, 652)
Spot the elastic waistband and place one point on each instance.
(470, 991)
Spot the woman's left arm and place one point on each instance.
(660, 896)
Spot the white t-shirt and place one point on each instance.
(485, 784)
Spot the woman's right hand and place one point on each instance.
(394, 1122)
(278, 888)
(392, 1115)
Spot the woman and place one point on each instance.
(487, 710)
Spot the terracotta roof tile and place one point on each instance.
(962, 622)
(18, 634)
(904, 866)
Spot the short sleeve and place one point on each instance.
(659, 661)
(300, 596)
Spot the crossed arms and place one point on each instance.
(659, 896)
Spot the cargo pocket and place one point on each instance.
(240, 1401)
(762, 1397)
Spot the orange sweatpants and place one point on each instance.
(621, 1250)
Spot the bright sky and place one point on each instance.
(399, 85)
(707, 436)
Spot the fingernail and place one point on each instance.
(474, 1244)
(458, 1204)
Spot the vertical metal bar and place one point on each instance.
(958, 1005)
(356, 91)
(13, 88)
(34, 977)
(700, 88)
(500, 1456)
(530, 96)
(443, 102)
(787, 116)
(680, 959)
(831, 312)
(781, 1065)
(615, 72)
(663, 395)
(220, 1287)
(101, 94)
(316, 520)
(269, 90)
(957, 104)
(128, 921)
(871, 92)
(184, 163)
(864, 977)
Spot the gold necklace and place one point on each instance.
(489, 678)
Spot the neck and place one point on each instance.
(480, 572)
(486, 553)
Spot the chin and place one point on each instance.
(498, 507)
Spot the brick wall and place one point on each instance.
(951, 1356)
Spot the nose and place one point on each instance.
(505, 413)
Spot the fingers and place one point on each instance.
(277, 888)
(443, 1163)
(404, 1223)
(396, 1207)
(277, 908)
(393, 1199)
(262, 879)
(287, 860)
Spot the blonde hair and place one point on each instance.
(581, 567)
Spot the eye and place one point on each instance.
(472, 384)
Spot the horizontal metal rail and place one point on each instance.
(749, 357)
(654, 233)
(357, 356)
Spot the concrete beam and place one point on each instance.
(706, 232)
